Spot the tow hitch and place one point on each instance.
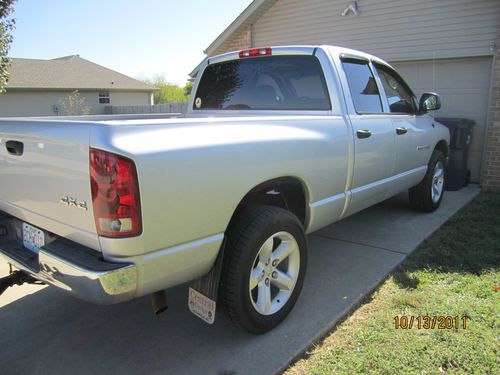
(16, 278)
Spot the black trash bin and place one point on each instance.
(457, 174)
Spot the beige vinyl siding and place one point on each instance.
(130, 98)
(40, 103)
(391, 29)
(33, 103)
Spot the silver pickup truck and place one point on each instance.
(277, 143)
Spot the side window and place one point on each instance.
(104, 97)
(399, 95)
(363, 87)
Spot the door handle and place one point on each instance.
(401, 130)
(363, 133)
(14, 147)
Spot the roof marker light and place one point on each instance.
(255, 52)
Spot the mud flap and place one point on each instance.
(202, 297)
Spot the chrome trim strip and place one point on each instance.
(388, 179)
(327, 200)
(333, 198)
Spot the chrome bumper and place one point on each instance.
(73, 268)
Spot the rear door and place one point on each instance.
(373, 134)
(44, 174)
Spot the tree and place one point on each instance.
(187, 89)
(169, 92)
(6, 26)
(73, 105)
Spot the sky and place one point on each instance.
(138, 38)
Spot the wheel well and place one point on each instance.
(285, 192)
(443, 147)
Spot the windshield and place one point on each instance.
(265, 83)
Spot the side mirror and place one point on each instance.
(429, 101)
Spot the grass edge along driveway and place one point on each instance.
(447, 290)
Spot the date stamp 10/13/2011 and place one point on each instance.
(430, 322)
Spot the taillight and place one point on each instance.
(254, 52)
(115, 195)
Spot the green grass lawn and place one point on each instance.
(454, 273)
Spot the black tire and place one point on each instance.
(245, 237)
(421, 197)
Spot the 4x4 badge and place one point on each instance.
(70, 201)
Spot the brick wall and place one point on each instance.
(490, 180)
(240, 41)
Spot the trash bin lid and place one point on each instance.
(456, 122)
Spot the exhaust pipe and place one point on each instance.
(159, 301)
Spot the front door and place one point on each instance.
(411, 129)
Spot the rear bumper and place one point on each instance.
(71, 267)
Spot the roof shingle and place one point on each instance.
(68, 72)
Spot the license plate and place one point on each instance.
(33, 238)
(201, 306)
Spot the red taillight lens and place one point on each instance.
(254, 52)
(115, 195)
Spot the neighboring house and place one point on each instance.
(448, 46)
(36, 87)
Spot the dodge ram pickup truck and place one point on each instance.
(277, 142)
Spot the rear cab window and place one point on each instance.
(263, 83)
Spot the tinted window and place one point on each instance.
(399, 95)
(364, 90)
(273, 82)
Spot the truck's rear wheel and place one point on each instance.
(428, 194)
(264, 267)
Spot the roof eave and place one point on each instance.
(244, 18)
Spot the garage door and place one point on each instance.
(464, 86)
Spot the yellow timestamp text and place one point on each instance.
(430, 322)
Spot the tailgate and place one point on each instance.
(44, 176)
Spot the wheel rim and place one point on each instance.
(274, 273)
(437, 182)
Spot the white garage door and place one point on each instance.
(464, 86)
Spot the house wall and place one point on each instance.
(40, 103)
(391, 29)
(240, 41)
(130, 98)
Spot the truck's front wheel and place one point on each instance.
(264, 267)
(428, 194)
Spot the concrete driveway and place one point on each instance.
(44, 331)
